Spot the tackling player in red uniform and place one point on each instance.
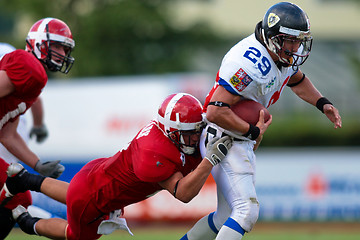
(163, 155)
(22, 78)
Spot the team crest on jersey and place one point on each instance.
(273, 19)
(240, 80)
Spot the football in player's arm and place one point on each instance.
(259, 68)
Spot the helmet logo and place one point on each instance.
(273, 19)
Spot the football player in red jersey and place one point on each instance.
(22, 78)
(163, 155)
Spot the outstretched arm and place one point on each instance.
(308, 92)
(188, 187)
(185, 188)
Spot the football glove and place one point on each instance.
(51, 169)
(217, 149)
(41, 133)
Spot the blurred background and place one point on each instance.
(130, 54)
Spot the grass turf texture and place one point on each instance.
(262, 231)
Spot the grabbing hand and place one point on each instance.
(217, 149)
(50, 169)
(41, 133)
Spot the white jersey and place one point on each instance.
(248, 70)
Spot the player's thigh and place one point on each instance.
(234, 176)
(82, 215)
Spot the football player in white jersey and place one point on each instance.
(258, 68)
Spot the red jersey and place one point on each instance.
(132, 174)
(29, 78)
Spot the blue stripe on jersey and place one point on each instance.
(227, 86)
(185, 237)
(231, 223)
(211, 223)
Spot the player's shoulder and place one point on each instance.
(22, 59)
(248, 56)
(157, 157)
(20, 53)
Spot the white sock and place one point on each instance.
(227, 233)
(231, 230)
(201, 230)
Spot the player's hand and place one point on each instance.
(51, 169)
(41, 133)
(262, 125)
(217, 149)
(333, 115)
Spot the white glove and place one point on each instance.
(217, 149)
(114, 222)
(50, 169)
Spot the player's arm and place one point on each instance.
(6, 86)
(38, 112)
(38, 129)
(226, 118)
(15, 144)
(303, 88)
(187, 187)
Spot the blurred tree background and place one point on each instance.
(120, 37)
(135, 37)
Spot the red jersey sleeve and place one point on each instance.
(25, 72)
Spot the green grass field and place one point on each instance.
(262, 231)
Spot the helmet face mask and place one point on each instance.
(296, 58)
(187, 140)
(180, 119)
(286, 33)
(46, 37)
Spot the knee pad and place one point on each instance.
(246, 213)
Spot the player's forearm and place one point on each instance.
(37, 113)
(190, 185)
(225, 118)
(307, 92)
(17, 146)
(55, 189)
